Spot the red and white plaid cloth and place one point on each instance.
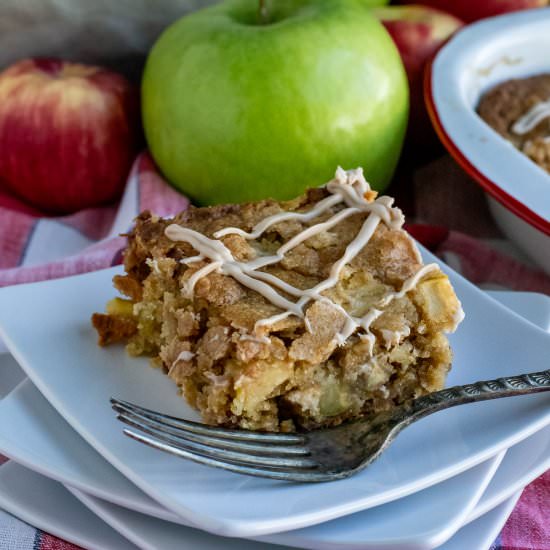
(451, 219)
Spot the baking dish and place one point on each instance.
(477, 58)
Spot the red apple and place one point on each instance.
(472, 10)
(418, 32)
(68, 133)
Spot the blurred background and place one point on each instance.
(117, 34)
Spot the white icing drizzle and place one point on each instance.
(258, 229)
(225, 263)
(185, 356)
(393, 337)
(203, 272)
(531, 118)
(274, 319)
(192, 259)
(216, 380)
(153, 264)
(349, 188)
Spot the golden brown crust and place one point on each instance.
(128, 286)
(112, 329)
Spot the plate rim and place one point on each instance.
(26, 510)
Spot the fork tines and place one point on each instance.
(275, 455)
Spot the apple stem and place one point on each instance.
(263, 17)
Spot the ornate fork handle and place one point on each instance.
(480, 391)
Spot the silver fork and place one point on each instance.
(319, 455)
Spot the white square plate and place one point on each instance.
(480, 534)
(35, 435)
(29, 496)
(46, 327)
(47, 505)
(150, 534)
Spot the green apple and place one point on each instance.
(241, 103)
(375, 3)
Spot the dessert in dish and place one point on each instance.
(286, 315)
(519, 110)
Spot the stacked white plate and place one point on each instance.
(448, 481)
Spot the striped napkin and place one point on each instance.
(450, 217)
(34, 248)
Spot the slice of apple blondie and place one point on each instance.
(286, 315)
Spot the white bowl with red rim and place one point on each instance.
(477, 58)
